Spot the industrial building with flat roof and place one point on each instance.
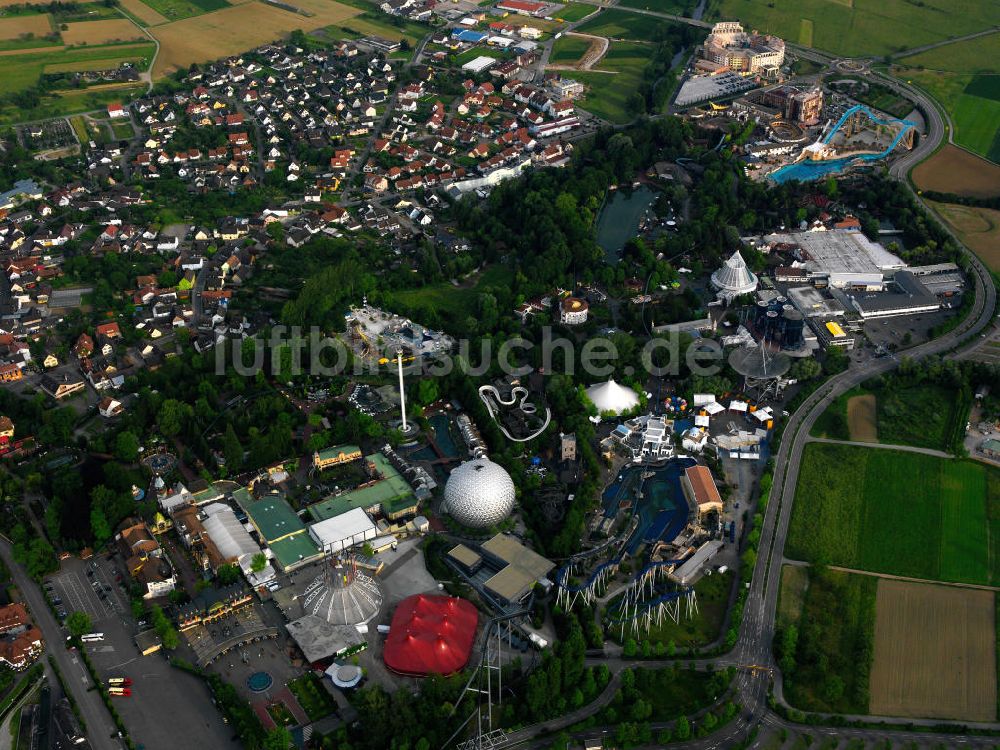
(344, 531)
(521, 568)
(905, 295)
(841, 258)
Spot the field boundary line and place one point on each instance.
(884, 446)
(894, 577)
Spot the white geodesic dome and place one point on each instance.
(479, 493)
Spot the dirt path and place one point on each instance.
(595, 53)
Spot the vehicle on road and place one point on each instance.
(120, 681)
(120, 692)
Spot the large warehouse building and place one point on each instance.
(842, 258)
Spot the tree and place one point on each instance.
(233, 450)
(126, 447)
(259, 562)
(278, 738)
(683, 729)
(78, 623)
(172, 417)
(228, 574)
(99, 527)
(805, 369)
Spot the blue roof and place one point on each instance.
(468, 35)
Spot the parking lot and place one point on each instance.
(87, 586)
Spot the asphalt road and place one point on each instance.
(100, 729)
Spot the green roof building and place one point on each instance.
(390, 496)
(283, 531)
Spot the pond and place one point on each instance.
(441, 427)
(619, 220)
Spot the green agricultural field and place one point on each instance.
(620, 24)
(973, 101)
(174, 10)
(900, 513)
(832, 644)
(924, 416)
(979, 55)
(865, 27)
(23, 71)
(676, 7)
(608, 93)
(573, 12)
(567, 50)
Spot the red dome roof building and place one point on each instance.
(430, 634)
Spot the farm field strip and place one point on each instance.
(101, 32)
(934, 652)
(955, 170)
(15, 27)
(866, 27)
(891, 512)
(238, 28)
(979, 228)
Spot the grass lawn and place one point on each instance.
(865, 27)
(449, 301)
(80, 128)
(481, 51)
(174, 10)
(794, 584)
(608, 93)
(23, 71)
(67, 104)
(568, 49)
(575, 11)
(620, 24)
(122, 130)
(899, 513)
(312, 696)
(834, 645)
(704, 627)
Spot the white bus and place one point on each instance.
(92, 637)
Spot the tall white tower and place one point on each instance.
(402, 392)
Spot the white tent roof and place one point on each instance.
(701, 421)
(611, 397)
(714, 408)
(738, 405)
(227, 532)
